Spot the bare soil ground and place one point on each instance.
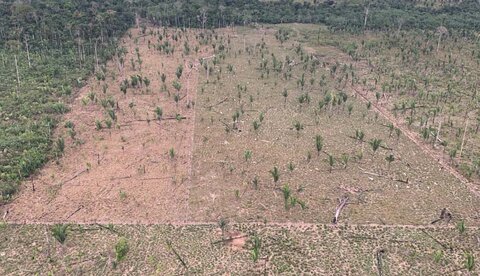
(378, 193)
(122, 174)
(171, 208)
(125, 174)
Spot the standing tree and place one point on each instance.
(441, 31)
(390, 158)
(319, 143)
(285, 95)
(298, 126)
(375, 143)
(275, 174)
(331, 162)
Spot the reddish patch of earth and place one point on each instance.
(124, 174)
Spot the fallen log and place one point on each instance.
(437, 241)
(445, 215)
(229, 239)
(76, 211)
(339, 209)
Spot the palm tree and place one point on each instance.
(390, 158)
(375, 143)
(248, 155)
(441, 31)
(256, 248)
(179, 71)
(256, 125)
(302, 81)
(319, 143)
(123, 88)
(59, 232)
(298, 126)
(285, 95)
(223, 223)
(391, 127)
(275, 174)
(359, 135)
(345, 159)
(159, 112)
(177, 86)
(331, 162)
(286, 195)
(350, 108)
(176, 98)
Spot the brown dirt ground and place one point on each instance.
(123, 174)
(223, 179)
(130, 178)
(182, 197)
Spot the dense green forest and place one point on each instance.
(345, 15)
(49, 47)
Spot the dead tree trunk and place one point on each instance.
(341, 205)
(16, 69)
(367, 10)
(28, 53)
(463, 139)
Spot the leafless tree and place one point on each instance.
(367, 11)
(441, 31)
(202, 17)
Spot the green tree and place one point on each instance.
(275, 174)
(319, 143)
(390, 158)
(375, 143)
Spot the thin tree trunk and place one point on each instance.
(28, 54)
(96, 56)
(439, 40)
(463, 139)
(208, 71)
(366, 17)
(438, 134)
(16, 69)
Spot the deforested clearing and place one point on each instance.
(204, 146)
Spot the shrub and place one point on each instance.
(469, 262)
(319, 143)
(98, 125)
(275, 174)
(59, 232)
(375, 143)
(121, 249)
(256, 248)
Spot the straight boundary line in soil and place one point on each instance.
(268, 224)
